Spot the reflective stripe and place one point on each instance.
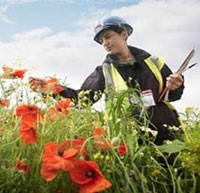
(114, 83)
(113, 80)
(109, 84)
(155, 65)
(119, 82)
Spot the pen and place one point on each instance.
(181, 69)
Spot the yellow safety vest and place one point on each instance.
(115, 83)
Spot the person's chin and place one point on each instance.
(110, 52)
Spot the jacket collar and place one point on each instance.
(138, 54)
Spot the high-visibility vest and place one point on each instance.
(115, 83)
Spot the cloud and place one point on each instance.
(33, 34)
(3, 16)
(165, 28)
(169, 29)
(4, 6)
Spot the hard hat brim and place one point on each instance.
(115, 28)
(104, 28)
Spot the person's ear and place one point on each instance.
(124, 35)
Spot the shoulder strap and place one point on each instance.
(113, 79)
(155, 64)
(108, 79)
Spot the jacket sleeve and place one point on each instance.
(173, 94)
(92, 88)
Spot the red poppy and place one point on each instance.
(7, 69)
(87, 175)
(61, 109)
(99, 135)
(24, 110)
(10, 73)
(19, 73)
(122, 149)
(23, 167)
(5, 103)
(64, 104)
(55, 158)
(29, 113)
(28, 132)
(52, 86)
(78, 144)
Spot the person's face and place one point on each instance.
(112, 41)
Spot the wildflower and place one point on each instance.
(78, 144)
(10, 73)
(55, 158)
(29, 114)
(64, 104)
(25, 110)
(107, 158)
(97, 95)
(61, 109)
(23, 167)
(116, 141)
(28, 132)
(19, 73)
(168, 142)
(107, 118)
(155, 173)
(154, 133)
(122, 149)
(4, 102)
(52, 86)
(87, 175)
(97, 155)
(99, 135)
(173, 128)
(150, 131)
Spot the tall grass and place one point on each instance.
(143, 168)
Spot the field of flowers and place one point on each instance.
(50, 145)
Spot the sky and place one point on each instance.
(55, 37)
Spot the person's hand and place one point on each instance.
(36, 84)
(174, 81)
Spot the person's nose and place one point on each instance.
(105, 42)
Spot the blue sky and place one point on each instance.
(59, 15)
(55, 37)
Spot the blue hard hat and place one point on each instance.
(112, 23)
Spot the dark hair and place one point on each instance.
(117, 29)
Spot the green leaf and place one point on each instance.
(173, 147)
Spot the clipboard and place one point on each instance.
(180, 70)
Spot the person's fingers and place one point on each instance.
(174, 81)
(36, 83)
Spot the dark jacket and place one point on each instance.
(140, 73)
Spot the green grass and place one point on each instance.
(145, 168)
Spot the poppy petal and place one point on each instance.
(99, 184)
(48, 174)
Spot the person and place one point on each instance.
(131, 65)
